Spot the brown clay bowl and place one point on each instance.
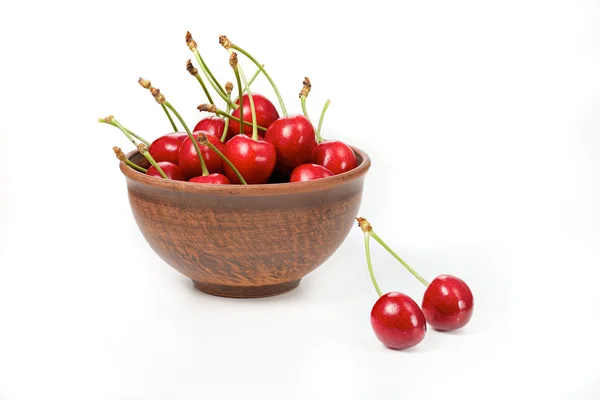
(245, 241)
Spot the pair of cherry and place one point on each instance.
(398, 321)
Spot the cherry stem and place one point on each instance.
(303, 101)
(241, 98)
(192, 138)
(260, 66)
(211, 79)
(194, 72)
(397, 257)
(204, 140)
(252, 108)
(122, 157)
(170, 119)
(250, 82)
(111, 121)
(203, 107)
(142, 148)
(226, 128)
(318, 131)
(371, 273)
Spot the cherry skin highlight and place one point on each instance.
(188, 158)
(254, 159)
(170, 169)
(309, 172)
(398, 321)
(447, 303)
(166, 147)
(334, 155)
(211, 124)
(266, 113)
(215, 179)
(294, 140)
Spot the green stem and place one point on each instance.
(135, 166)
(226, 128)
(116, 124)
(201, 82)
(224, 158)
(368, 253)
(250, 82)
(211, 78)
(397, 257)
(260, 66)
(138, 137)
(303, 101)
(170, 119)
(252, 109)
(241, 98)
(155, 164)
(224, 114)
(192, 138)
(318, 132)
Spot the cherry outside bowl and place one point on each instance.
(245, 241)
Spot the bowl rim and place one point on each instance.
(249, 190)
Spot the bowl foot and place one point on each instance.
(246, 291)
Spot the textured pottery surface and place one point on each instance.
(245, 241)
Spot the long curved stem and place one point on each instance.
(241, 98)
(397, 257)
(371, 273)
(209, 76)
(170, 119)
(192, 138)
(152, 161)
(226, 128)
(260, 66)
(252, 108)
(201, 82)
(318, 131)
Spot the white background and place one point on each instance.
(481, 118)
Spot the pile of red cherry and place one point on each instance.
(251, 144)
(398, 321)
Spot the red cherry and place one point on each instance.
(216, 179)
(294, 140)
(188, 158)
(309, 172)
(166, 147)
(212, 124)
(398, 321)
(254, 159)
(334, 155)
(171, 170)
(266, 113)
(447, 303)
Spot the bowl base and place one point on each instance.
(246, 292)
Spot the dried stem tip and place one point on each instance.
(145, 83)
(207, 107)
(364, 224)
(142, 148)
(191, 43)
(158, 96)
(119, 153)
(108, 119)
(305, 87)
(229, 87)
(223, 41)
(202, 138)
(190, 68)
(233, 60)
